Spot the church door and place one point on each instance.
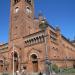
(34, 63)
(35, 66)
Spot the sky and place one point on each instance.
(57, 12)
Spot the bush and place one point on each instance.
(5, 73)
(55, 68)
(69, 70)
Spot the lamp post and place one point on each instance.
(44, 26)
(66, 61)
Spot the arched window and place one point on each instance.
(16, 9)
(15, 56)
(28, 1)
(1, 62)
(28, 10)
(16, 1)
(34, 56)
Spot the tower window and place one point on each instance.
(16, 1)
(16, 9)
(28, 1)
(28, 10)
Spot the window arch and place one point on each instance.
(28, 10)
(28, 1)
(16, 1)
(17, 9)
(1, 62)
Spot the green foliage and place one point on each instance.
(69, 70)
(55, 68)
(5, 73)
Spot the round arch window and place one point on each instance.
(28, 10)
(17, 9)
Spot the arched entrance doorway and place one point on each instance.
(15, 61)
(34, 60)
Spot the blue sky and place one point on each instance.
(58, 13)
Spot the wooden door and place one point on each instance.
(15, 65)
(1, 68)
(35, 66)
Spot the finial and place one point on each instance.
(57, 28)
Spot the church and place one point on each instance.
(33, 42)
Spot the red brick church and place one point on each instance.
(32, 41)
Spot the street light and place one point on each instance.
(43, 26)
(66, 61)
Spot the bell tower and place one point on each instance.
(21, 18)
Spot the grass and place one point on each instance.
(56, 69)
(69, 70)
